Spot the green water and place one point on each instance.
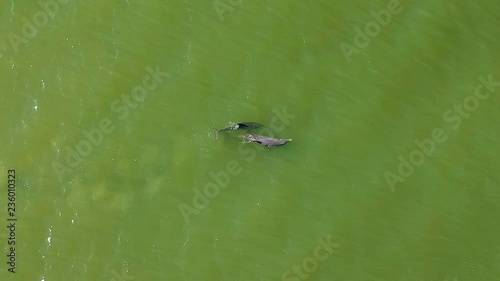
(129, 207)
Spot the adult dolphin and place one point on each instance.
(265, 141)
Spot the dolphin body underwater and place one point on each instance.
(238, 126)
(265, 141)
(247, 138)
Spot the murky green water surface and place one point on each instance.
(107, 112)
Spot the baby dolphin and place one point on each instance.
(265, 141)
(238, 126)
